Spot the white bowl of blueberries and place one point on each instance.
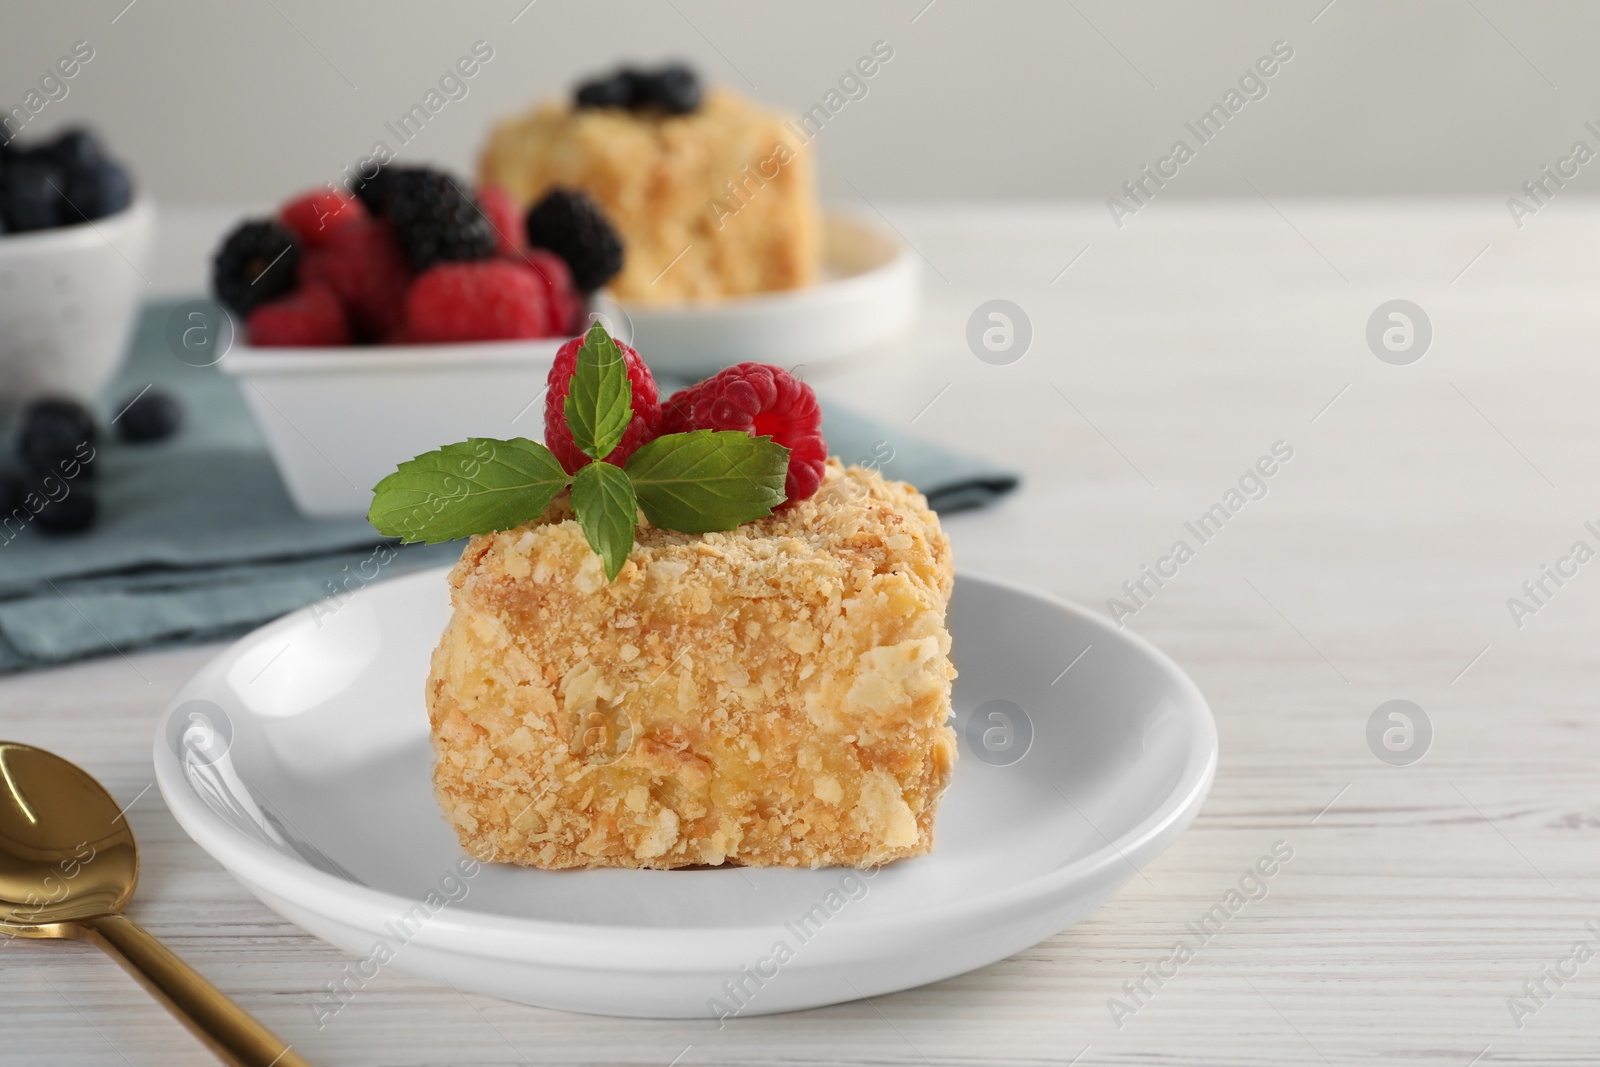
(74, 243)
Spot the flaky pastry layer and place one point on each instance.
(778, 694)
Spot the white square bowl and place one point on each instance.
(337, 420)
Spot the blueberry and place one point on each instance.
(75, 151)
(100, 189)
(57, 438)
(149, 417)
(73, 512)
(674, 88)
(30, 193)
(12, 490)
(613, 90)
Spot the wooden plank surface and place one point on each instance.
(1165, 359)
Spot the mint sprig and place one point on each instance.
(466, 488)
(600, 402)
(692, 482)
(708, 479)
(602, 498)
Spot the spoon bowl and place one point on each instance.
(68, 865)
(66, 852)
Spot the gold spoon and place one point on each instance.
(68, 866)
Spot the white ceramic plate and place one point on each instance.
(868, 294)
(300, 759)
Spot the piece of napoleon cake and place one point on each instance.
(763, 683)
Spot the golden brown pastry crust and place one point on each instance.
(729, 182)
(774, 695)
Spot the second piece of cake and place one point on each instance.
(713, 202)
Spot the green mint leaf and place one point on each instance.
(471, 487)
(603, 498)
(600, 402)
(708, 479)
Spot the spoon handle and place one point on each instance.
(233, 1035)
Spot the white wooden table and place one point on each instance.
(1164, 361)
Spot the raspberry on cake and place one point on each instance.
(776, 694)
(642, 397)
(762, 400)
(712, 195)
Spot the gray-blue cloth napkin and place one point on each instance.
(197, 538)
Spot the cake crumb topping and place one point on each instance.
(776, 694)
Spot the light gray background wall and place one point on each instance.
(228, 100)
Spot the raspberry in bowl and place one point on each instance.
(377, 320)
